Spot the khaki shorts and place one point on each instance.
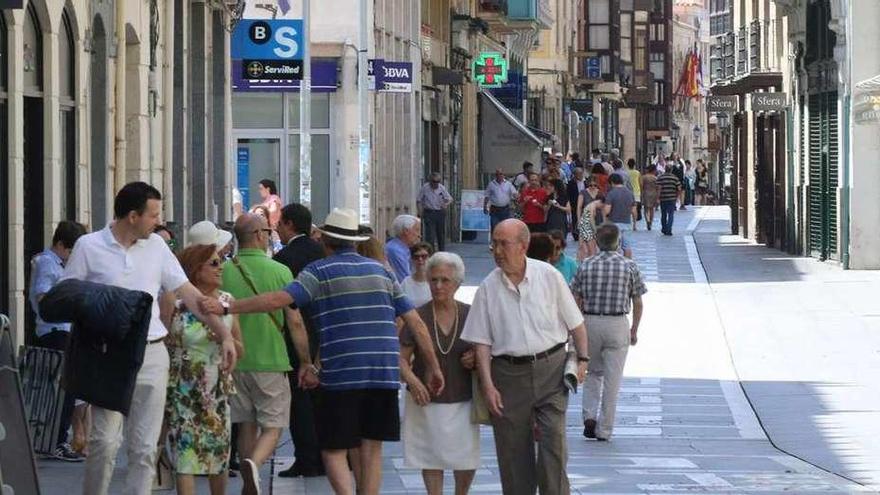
(262, 397)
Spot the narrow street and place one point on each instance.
(722, 316)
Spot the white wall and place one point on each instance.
(865, 158)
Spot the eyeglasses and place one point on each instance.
(268, 231)
(214, 263)
(420, 256)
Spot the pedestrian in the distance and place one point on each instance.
(650, 195)
(268, 192)
(438, 433)
(500, 196)
(557, 202)
(669, 188)
(702, 175)
(534, 202)
(635, 180)
(592, 215)
(48, 267)
(690, 183)
(521, 361)
(606, 287)
(406, 232)
(600, 177)
(432, 203)
(620, 208)
(574, 189)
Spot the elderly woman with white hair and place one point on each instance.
(437, 431)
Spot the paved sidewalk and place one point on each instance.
(684, 424)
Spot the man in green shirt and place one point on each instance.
(262, 402)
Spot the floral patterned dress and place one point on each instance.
(197, 405)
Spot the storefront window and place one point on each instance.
(257, 111)
(320, 180)
(320, 110)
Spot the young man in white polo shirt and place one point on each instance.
(128, 254)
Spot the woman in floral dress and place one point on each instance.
(197, 406)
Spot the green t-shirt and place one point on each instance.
(264, 348)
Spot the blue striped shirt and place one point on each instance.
(353, 301)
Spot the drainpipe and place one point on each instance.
(168, 114)
(119, 133)
(847, 133)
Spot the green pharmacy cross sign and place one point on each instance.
(490, 70)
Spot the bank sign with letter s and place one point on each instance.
(269, 48)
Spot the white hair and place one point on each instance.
(445, 258)
(401, 223)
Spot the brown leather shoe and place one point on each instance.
(590, 428)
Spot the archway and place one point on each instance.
(98, 91)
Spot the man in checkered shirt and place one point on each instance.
(605, 287)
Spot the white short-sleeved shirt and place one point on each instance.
(526, 319)
(148, 265)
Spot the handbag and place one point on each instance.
(479, 409)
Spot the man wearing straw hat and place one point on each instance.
(355, 301)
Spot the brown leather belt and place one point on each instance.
(156, 341)
(532, 357)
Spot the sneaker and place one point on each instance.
(250, 478)
(64, 453)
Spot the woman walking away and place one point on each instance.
(702, 182)
(437, 432)
(591, 217)
(197, 405)
(269, 195)
(416, 285)
(650, 194)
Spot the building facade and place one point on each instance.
(801, 166)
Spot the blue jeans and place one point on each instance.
(497, 214)
(667, 212)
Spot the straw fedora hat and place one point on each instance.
(342, 223)
(206, 233)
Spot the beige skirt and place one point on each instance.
(440, 436)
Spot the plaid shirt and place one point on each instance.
(607, 282)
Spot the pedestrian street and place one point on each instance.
(683, 423)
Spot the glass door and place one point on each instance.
(257, 158)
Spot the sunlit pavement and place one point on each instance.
(730, 328)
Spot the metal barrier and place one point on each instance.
(18, 470)
(40, 369)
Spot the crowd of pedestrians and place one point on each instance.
(282, 324)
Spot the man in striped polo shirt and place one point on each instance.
(354, 302)
(669, 187)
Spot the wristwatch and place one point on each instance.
(225, 307)
(583, 359)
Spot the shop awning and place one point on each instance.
(505, 142)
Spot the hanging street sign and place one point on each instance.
(490, 70)
(396, 77)
(268, 48)
(769, 102)
(722, 104)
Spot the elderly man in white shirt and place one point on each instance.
(521, 318)
(128, 254)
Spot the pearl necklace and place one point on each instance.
(437, 330)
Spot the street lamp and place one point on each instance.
(673, 133)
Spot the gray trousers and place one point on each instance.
(531, 393)
(609, 343)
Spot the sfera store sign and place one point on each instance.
(769, 102)
(722, 104)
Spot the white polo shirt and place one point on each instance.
(526, 319)
(148, 265)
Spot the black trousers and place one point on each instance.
(58, 340)
(667, 215)
(434, 223)
(302, 426)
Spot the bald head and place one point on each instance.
(514, 228)
(248, 231)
